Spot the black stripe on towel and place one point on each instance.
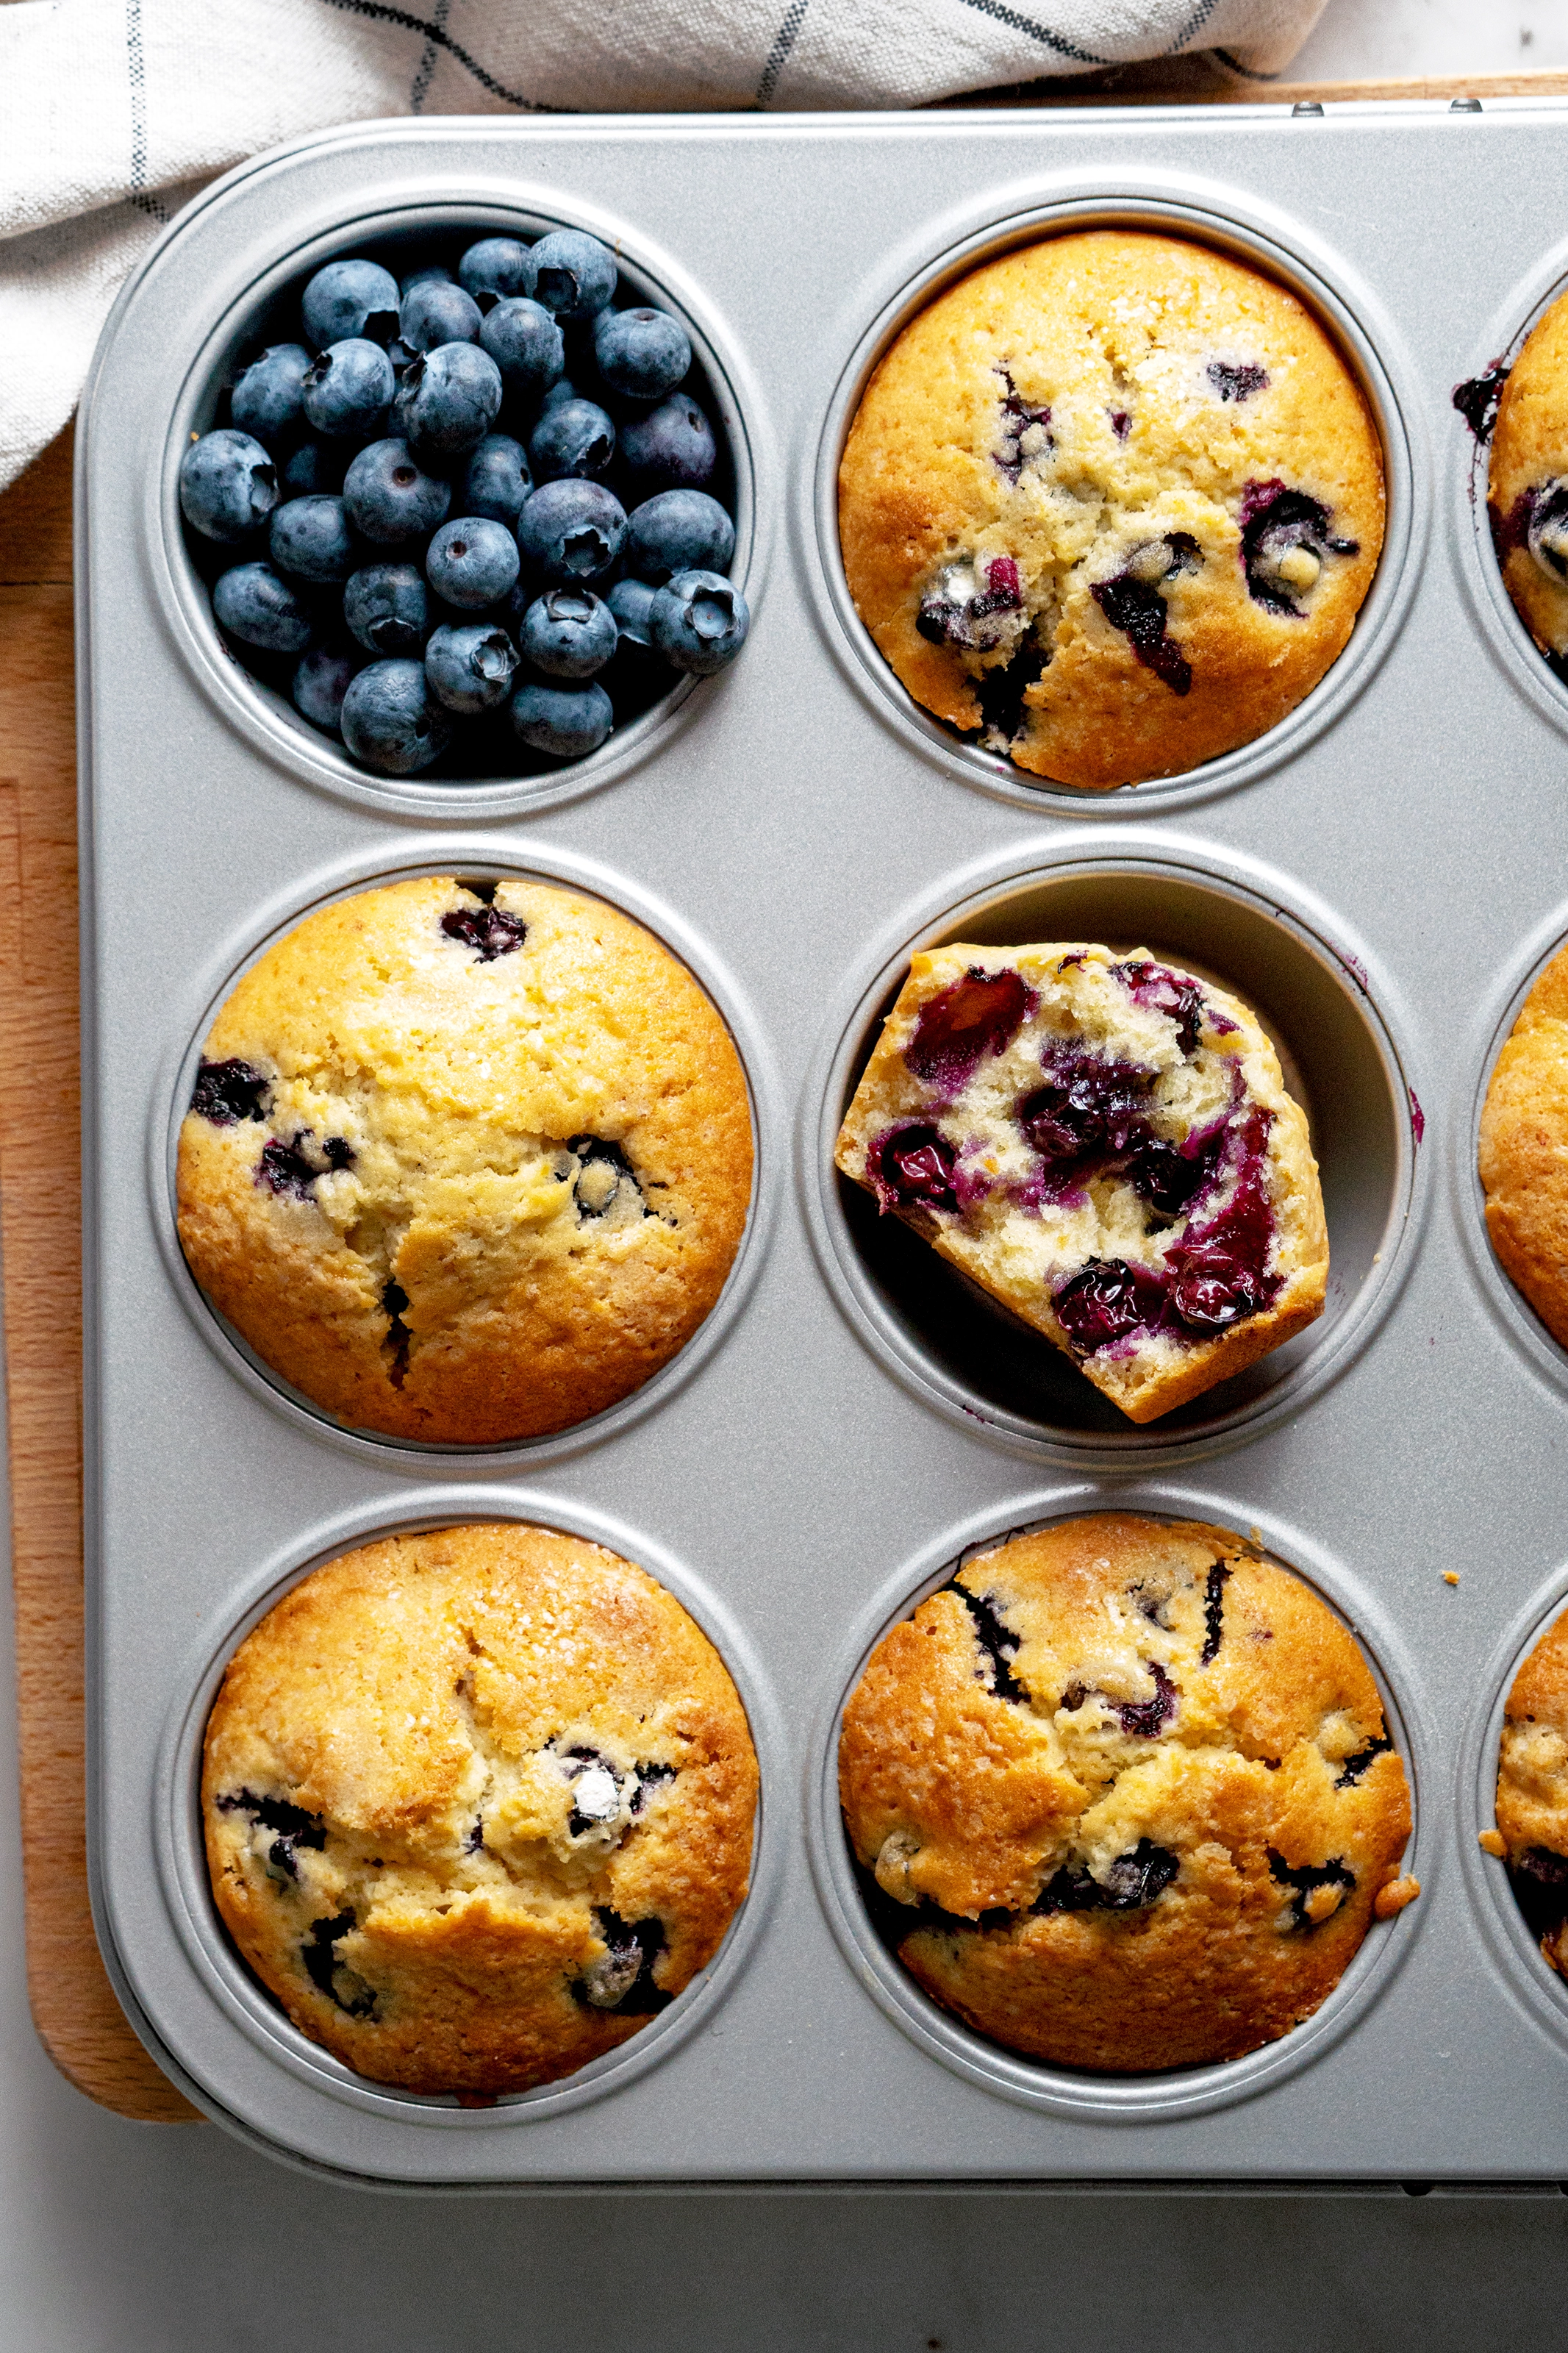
(778, 56)
(1047, 40)
(380, 14)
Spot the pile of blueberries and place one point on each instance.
(420, 582)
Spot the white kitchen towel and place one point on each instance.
(114, 112)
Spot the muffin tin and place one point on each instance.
(1377, 875)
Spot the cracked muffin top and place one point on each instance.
(1123, 1795)
(1106, 1144)
(1527, 484)
(465, 1162)
(1532, 1792)
(1110, 506)
(1523, 1155)
(478, 1804)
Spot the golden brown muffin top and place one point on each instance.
(465, 1167)
(1113, 416)
(1527, 487)
(495, 1740)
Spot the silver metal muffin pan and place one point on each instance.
(1379, 876)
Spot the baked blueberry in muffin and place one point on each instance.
(466, 1161)
(1527, 490)
(1105, 1143)
(1123, 1796)
(1110, 506)
(1524, 1150)
(478, 1805)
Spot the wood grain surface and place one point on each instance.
(74, 2008)
(82, 2025)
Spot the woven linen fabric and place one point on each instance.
(114, 112)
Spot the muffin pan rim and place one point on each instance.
(1501, 628)
(1206, 212)
(289, 743)
(1509, 1310)
(347, 877)
(1533, 1986)
(1079, 2093)
(177, 1814)
(870, 981)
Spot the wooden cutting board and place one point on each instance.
(74, 2007)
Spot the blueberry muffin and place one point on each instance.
(1523, 1155)
(466, 1161)
(477, 1805)
(1527, 489)
(1123, 1795)
(1105, 1145)
(1532, 1792)
(1110, 506)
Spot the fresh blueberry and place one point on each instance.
(571, 530)
(496, 481)
(436, 314)
(641, 354)
(349, 389)
(562, 391)
(320, 684)
(631, 602)
(574, 275)
(312, 539)
(389, 498)
(472, 562)
(568, 633)
(268, 399)
(350, 299)
(448, 401)
(312, 467)
(568, 720)
(526, 345)
(574, 436)
(386, 608)
(258, 605)
(228, 486)
(429, 273)
(670, 449)
(699, 622)
(678, 531)
(495, 269)
(471, 668)
(391, 721)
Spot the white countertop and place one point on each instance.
(119, 2238)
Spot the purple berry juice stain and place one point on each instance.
(973, 1018)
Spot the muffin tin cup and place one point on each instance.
(1511, 1310)
(1466, 467)
(1080, 2092)
(1288, 958)
(499, 858)
(1362, 871)
(407, 219)
(1209, 213)
(177, 1801)
(1535, 1985)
